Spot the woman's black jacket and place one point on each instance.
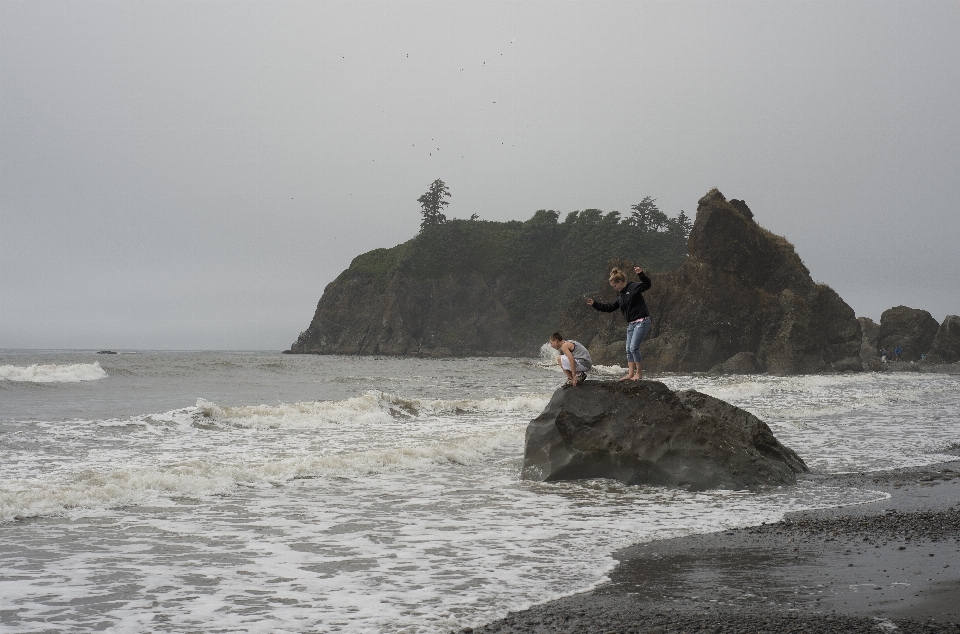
(630, 302)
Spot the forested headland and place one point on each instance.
(463, 287)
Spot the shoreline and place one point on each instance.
(887, 566)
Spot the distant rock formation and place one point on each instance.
(741, 290)
(741, 302)
(910, 328)
(869, 352)
(946, 344)
(643, 433)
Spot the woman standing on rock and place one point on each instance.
(634, 309)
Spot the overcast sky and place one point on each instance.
(190, 175)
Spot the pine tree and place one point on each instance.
(647, 216)
(432, 204)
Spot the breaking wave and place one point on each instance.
(316, 439)
(370, 408)
(199, 478)
(53, 373)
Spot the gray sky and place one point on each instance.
(192, 174)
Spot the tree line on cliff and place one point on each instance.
(508, 280)
(645, 216)
(551, 261)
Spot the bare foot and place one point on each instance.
(637, 378)
(626, 378)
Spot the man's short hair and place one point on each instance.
(556, 337)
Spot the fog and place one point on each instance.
(190, 175)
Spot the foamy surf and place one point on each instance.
(371, 408)
(23, 498)
(261, 445)
(391, 503)
(774, 398)
(73, 373)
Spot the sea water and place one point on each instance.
(259, 492)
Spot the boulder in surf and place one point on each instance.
(641, 432)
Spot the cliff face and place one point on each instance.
(742, 290)
(458, 315)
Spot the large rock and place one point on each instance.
(741, 290)
(643, 433)
(910, 328)
(946, 345)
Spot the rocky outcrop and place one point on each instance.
(741, 290)
(946, 345)
(643, 433)
(910, 328)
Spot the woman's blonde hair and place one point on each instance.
(616, 275)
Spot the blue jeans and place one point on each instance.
(636, 331)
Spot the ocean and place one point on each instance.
(260, 492)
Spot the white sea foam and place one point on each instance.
(372, 407)
(53, 373)
(607, 370)
(372, 433)
(548, 354)
(816, 396)
(420, 552)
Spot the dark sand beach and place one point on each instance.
(888, 566)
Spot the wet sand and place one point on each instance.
(888, 566)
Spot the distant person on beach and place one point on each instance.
(897, 352)
(883, 355)
(574, 358)
(634, 308)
